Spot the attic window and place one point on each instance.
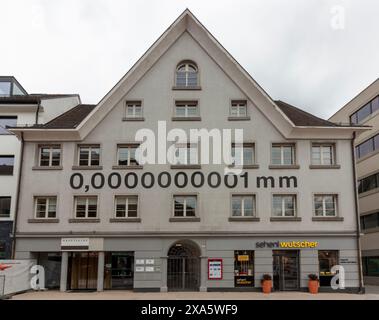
(186, 75)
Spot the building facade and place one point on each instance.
(17, 107)
(100, 218)
(364, 110)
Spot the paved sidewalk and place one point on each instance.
(130, 295)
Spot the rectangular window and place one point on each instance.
(6, 165)
(5, 207)
(327, 259)
(371, 266)
(89, 155)
(284, 205)
(244, 268)
(243, 205)
(126, 206)
(86, 207)
(282, 154)
(323, 154)
(50, 156)
(133, 109)
(127, 155)
(185, 206)
(370, 221)
(7, 121)
(186, 154)
(186, 109)
(325, 205)
(244, 155)
(364, 112)
(368, 183)
(45, 207)
(238, 109)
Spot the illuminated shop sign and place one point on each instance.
(286, 244)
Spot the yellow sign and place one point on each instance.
(298, 244)
(244, 257)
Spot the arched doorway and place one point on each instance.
(183, 267)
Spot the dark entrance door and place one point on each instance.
(286, 270)
(183, 267)
(119, 270)
(82, 272)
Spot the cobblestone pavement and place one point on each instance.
(372, 293)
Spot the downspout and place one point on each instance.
(17, 196)
(37, 112)
(361, 284)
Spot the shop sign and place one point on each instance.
(214, 269)
(243, 257)
(74, 243)
(348, 261)
(287, 244)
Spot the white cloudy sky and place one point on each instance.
(288, 46)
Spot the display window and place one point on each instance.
(244, 268)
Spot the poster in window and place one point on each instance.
(214, 269)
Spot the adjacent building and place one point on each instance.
(364, 110)
(17, 107)
(97, 217)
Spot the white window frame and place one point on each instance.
(283, 211)
(126, 198)
(282, 146)
(186, 72)
(243, 197)
(324, 195)
(185, 196)
(238, 104)
(47, 198)
(86, 208)
(321, 146)
(245, 145)
(50, 147)
(129, 147)
(188, 147)
(134, 105)
(186, 105)
(90, 147)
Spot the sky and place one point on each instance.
(314, 54)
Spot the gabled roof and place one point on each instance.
(302, 118)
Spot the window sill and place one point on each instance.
(125, 220)
(185, 166)
(247, 166)
(241, 219)
(292, 166)
(127, 167)
(186, 119)
(277, 219)
(317, 166)
(184, 219)
(327, 218)
(133, 119)
(230, 118)
(47, 220)
(87, 167)
(47, 168)
(84, 220)
(186, 88)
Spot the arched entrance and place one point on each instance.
(183, 267)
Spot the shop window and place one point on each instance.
(371, 266)
(49, 156)
(244, 268)
(51, 262)
(89, 155)
(119, 270)
(327, 259)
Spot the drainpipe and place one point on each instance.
(361, 284)
(37, 112)
(17, 195)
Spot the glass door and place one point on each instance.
(286, 270)
(83, 270)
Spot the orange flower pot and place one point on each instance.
(266, 286)
(313, 286)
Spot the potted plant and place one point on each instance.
(313, 283)
(266, 283)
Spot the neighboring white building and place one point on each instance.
(17, 107)
(98, 218)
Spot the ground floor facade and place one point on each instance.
(5, 239)
(191, 263)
